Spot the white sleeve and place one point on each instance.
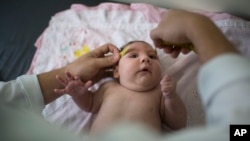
(24, 92)
(224, 85)
(21, 103)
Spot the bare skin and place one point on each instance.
(146, 99)
(120, 104)
(180, 27)
(88, 67)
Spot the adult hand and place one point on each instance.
(172, 29)
(183, 27)
(93, 65)
(90, 66)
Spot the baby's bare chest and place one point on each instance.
(131, 107)
(132, 104)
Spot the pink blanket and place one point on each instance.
(81, 26)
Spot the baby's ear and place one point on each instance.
(115, 72)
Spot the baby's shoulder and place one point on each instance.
(108, 87)
(109, 84)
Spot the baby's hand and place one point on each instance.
(72, 85)
(168, 87)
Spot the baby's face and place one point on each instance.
(139, 67)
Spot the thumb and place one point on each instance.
(107, 61)
(102, 61)
(154, 35)
(166, 77)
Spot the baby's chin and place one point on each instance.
(141, 87)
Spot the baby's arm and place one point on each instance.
(173, 110)
(77, 90)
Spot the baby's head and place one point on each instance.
(139, 66)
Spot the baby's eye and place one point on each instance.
(153, 56)
(133, 55)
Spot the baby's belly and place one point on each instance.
(107, 118)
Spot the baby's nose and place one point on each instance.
(145, 59)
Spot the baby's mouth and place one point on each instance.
(145, 70)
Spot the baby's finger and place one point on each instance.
(87, 84)
(60, 91)
(167, 78)
(62, 81)
(69, 76)
(164, 89)
(165, 93)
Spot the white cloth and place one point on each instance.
(81, 26)
(24, 91)
(224, 84)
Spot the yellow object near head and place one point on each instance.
(123, 52)
(81, 51)
(185, 45)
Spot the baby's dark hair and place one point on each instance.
(131, 42)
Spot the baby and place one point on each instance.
(138, 95)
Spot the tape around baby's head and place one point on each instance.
(124, 51)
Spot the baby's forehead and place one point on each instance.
(139, 45)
